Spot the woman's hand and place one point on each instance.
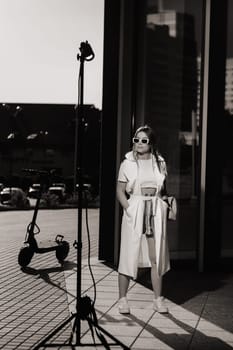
(121, 194)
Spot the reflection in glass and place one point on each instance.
(172, 102)
(227, 175)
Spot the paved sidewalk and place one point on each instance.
(203, 321)
(35, 301)
(200, 311)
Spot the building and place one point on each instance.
(43, 137)
(151, 52)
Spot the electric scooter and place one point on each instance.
(31, 246)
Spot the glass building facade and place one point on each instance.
(169, 64)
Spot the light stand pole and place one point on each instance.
(84, 306)
(87, 54)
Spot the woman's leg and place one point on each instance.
(156, 280)
(123, 282)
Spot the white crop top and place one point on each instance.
(148, 176)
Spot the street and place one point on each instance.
(13, 226)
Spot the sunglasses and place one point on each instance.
(143, 140)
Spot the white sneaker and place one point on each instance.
(158, 305)
(123, 306)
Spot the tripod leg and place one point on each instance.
(117, 341)
(44, 341)
(93, 335)
(72, 332)
(94, 321)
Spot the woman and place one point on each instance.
(140, 191)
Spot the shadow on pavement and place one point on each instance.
(44, 273)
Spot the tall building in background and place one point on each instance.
(171, 97)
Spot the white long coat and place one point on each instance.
(134, 248)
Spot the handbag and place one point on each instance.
(172, 207)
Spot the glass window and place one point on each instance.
(227, 178)
(172, 98)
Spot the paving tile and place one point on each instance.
(138, 289)
(150, 342)
(126, 340)
(117, 329)
(104, 302)
(217, 333)
(219, 299)
(140, 296)
(217, 325)
(141, 304)
(184, 315)
(117, 319)
(210, 341)
(167, 323)
(140, 314)
(218, 315)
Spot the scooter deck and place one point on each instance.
(47, 244)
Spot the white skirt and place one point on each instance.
(134, 248)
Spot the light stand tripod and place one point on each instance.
(84, 306)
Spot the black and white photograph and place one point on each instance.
(116, 174)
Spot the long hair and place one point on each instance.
(152, 141)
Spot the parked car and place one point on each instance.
(14, 196)
(58, 189)
(34, 190)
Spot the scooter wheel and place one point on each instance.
(25, 256)
(62, 251)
